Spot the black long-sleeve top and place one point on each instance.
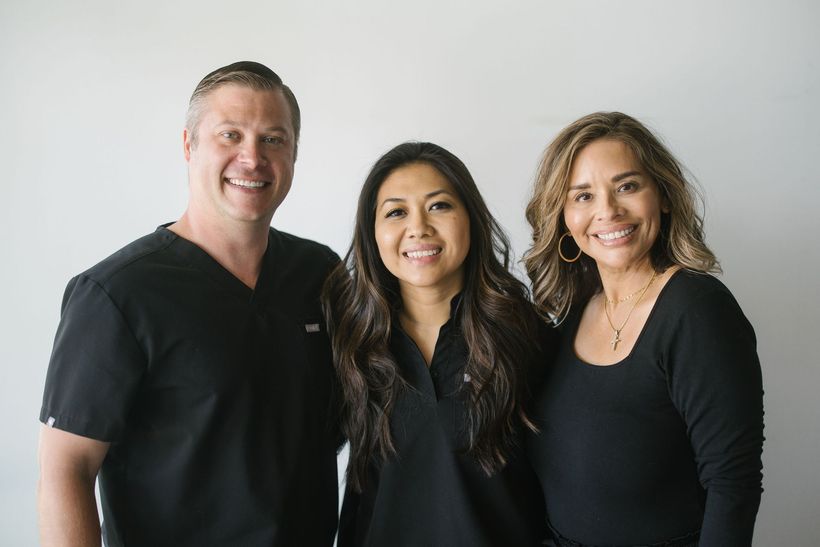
(666, 444)
(432, 493)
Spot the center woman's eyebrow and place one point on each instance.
(617, 178)
(426, 196)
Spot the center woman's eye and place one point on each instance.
(440, 205)
(394, 213)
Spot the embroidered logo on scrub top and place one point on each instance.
(312, 327)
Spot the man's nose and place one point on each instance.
(252, 154)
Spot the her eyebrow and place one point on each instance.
(622, 176)
(426, 196)
(617, 178)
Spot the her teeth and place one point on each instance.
(247, 183)
(419, 254)
(616, 235)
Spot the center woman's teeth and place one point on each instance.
(420, 254)
(246, 183)
(616, 235)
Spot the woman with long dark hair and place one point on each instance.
(652, 418)
(435, 345)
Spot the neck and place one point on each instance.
(238, 247)
(620, 284)
(426, 307)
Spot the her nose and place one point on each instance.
(609, 207)
(418, 225)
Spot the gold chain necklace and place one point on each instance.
(627, 297)
(616, 337)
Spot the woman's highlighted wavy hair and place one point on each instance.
(558, 285)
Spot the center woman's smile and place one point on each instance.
(422, 253)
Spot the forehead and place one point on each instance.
(603, 157)
(413, 180)
(242, 103)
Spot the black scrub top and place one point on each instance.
(431, 493)
(217, 399)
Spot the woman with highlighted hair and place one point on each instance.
(651, 420)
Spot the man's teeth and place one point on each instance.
(420, 254)
(616, 235)
(247, 183)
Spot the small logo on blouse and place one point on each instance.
(312, 327)
(50, 421)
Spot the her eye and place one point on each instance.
(394, 213)
(628, 186)
(582, 196)
(439, 205)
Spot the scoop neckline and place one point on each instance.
(618, 364)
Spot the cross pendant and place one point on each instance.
(615, 339)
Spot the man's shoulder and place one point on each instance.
(301, 249)
(297, 266)
(290, 241)
(140, 252)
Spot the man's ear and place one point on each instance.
(186, 144)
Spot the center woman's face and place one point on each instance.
(613, 208)
(422, 229)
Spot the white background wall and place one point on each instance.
(93, 97)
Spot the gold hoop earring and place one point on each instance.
(565, 259)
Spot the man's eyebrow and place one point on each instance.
(279, 128)
(269, 129)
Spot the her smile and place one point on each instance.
(422, 253)
(617, 234)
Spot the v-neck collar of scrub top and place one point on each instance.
(449, 356)
(198, 258)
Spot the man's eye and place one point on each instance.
(273, 140)
(230, 134)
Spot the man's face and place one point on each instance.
(240, 166)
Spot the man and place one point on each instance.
(191, 370)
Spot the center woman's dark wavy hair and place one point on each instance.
(499, 326)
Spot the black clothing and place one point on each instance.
(216, 398)
(668, 441)
(431, 493)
